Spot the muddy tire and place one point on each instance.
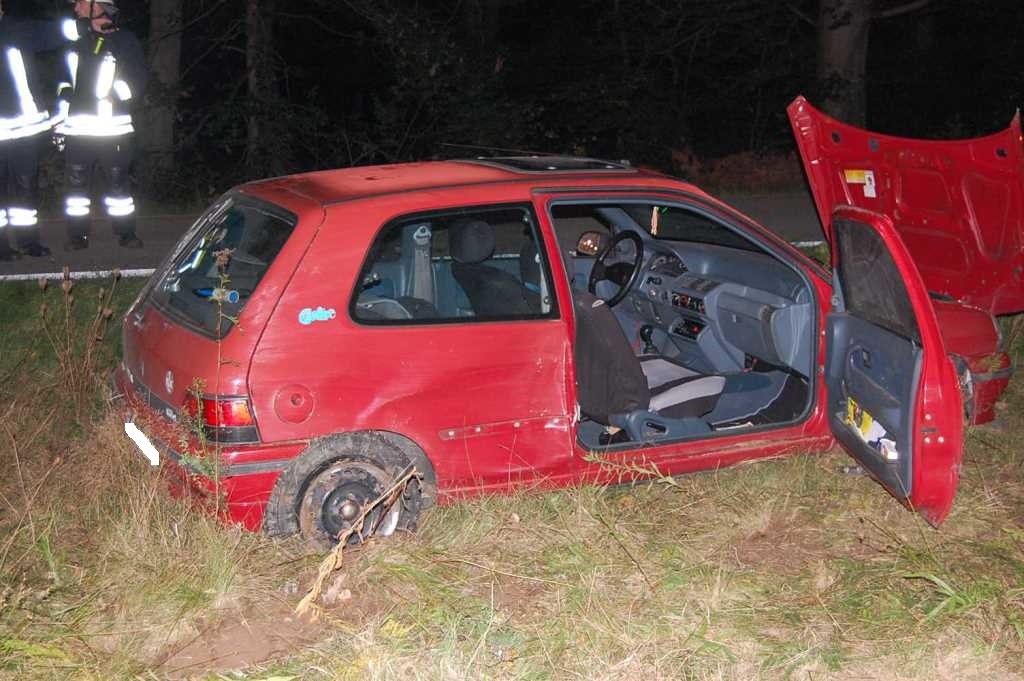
(323, 489)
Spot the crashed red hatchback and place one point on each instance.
(542, 321)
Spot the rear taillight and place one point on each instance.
(223, 418)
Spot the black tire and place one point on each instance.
(317, 491)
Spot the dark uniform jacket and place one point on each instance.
(107, 73)
(23, 111)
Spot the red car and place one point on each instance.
(540, 322)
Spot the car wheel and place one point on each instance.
(335, 499)
(317, 492)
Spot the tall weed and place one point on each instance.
(101, 571)
(76, 346)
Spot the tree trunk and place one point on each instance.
(157, 132)
(843, 28)
(261, 81)
(481, 19)
(622, 28)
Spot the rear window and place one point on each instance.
(210, 279)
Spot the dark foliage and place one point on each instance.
(370, 81)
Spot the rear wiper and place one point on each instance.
(221, 295)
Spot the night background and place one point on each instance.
(241, 89)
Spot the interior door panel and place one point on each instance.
(879, 370)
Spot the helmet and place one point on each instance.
(107, 7)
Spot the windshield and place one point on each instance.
(679, 224)
(210, 280)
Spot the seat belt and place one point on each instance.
(545, 301)
(422, 272)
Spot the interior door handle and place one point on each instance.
(865, 358)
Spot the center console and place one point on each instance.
(687, 302)
(687, 298)
(688, 327)
(677, 302)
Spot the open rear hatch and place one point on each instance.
(957, 205)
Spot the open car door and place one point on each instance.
(958, 205)
(894, 399)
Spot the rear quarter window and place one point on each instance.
(472, 264)
(209, 281)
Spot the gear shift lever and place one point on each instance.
(646, 333)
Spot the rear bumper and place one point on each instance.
(231, 481)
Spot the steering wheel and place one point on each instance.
(600, 270)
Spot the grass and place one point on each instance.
(819, 253)
(780, 570)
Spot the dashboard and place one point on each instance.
(718, 307)
(668, 264)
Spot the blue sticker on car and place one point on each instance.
(308, 315)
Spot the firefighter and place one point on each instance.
(24, 120)
(107, 73)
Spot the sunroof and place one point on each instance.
(548, 164)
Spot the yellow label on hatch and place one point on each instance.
(856, 176)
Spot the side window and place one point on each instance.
(871, 284)
(465, 265)
(571, 221)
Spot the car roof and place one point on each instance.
(344, 184)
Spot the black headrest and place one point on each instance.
(471, 241)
